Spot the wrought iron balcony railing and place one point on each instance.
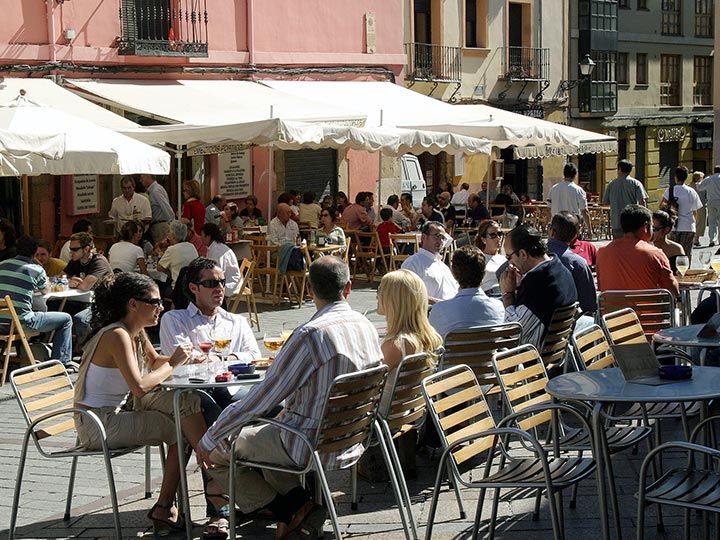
(433, 63)
(525, 64)
(164, 28)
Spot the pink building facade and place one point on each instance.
(209, 39)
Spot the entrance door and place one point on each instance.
(311, 170)
(10, 201)
(515, 171)
(669, 153)
(423, 21)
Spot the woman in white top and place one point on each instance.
(403, 300)
(489, 239)
(126, 255)
(309, 210)
(119, 380)
(218, 251)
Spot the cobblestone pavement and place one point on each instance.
(43, 493)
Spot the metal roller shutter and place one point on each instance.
(312, 170)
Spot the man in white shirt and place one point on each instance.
(687, 202)
(179, 253)
(213, 212)
(711, 186)
(282, 229)
(459, 200)
(567, 196)
(130, 205)
(428, 265)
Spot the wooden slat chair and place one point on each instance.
(348, 248)
(655, 308)
(368, 253)
(14, 333)
(295, 280)
(402, 245)
(462, 417)
(245, 293)
(556, 345)
(523, 378)
(402, 412)
(349, 417)
(267, 265)
(45, 395)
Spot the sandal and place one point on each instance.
(219, 529)
(163, 527)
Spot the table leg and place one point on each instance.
(599, 461)
(184, 495)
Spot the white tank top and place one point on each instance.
(104, 387)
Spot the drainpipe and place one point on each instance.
(250, 33)
(52, 38)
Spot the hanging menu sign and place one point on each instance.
(85, 194)
(235, 174)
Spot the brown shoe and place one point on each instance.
(306, 522)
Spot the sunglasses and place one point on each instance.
(211, 283)
(154, 302)
(78, 248)
(494, 235)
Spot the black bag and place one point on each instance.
(296, 260)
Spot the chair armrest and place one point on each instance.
(682, 445)
(63, 412)
(701, 426)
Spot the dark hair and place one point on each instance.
(625, 165)
(529, 239)
(716, 169)
(130, 229)
(429, 200)
(81, 225)
(464, 185)
(665, 219)
(26, 246)
(84, 238)
(293, 193)
(6, 227)
(332, 211)
(482, 229)
(406, 197)
(252, 198)
(341, 195)
(468, 266)
(425, 228)
(112, 294)
(386, 214)
(361, 197)
(328, 276)
(308, 197)
(192, 275)
(216, 199)
(393, 200)
(566, 226)
(128, 180)
(45, 245)
(284, 198)
(681, 173)
(570, 170)
(633, 217)
(214, 232)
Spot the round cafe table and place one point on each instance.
(609, 386)
(686, 336)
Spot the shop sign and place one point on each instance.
(235, 174)
(85, 194)
(702, 137)
(533, 111)
(207, 149)
(670, 134)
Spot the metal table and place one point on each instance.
(686, 336)
(609, 386)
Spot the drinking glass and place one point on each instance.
(682, 263)
(715, 263)
(287, 329)
(273, 343)
(705, 257)
(221, 342)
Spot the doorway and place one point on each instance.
(10, 198)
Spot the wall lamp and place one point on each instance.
(586, 66)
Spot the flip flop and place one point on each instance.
(216, 530)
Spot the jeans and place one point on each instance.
(61, 323)
(81, 320)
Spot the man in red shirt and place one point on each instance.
(630, 262)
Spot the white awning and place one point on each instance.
(210, 102)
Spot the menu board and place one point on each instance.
(85, 194)
(235, 174)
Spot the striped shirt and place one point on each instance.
(336, 341)
(19, 278)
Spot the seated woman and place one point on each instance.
(251, 212)
(309, 210)
(219, 252)
(489, 239)
(334, 234)
(662, 224)
(127, 255)
(119, 379)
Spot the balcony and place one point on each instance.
(525, 64)
(164, 28)
(433, 63)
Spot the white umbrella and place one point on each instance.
(88, 148)
(18, 145)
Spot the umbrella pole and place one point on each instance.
(25, 203)
(178, 157)
(271, 166)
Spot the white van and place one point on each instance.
(411, 179)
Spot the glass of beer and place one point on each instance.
(273, 343)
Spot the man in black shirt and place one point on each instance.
(428, 211)
(446, 209)
(477, 211)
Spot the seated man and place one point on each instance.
(20, 277)
(630, 262)
(428, 212)
(356, 215)
(336, 341)
(51, 265)
(446, 209)
(534, 284)
(81, 225)
(179, 253)
(282, 229)
(427, 264)
(470, 306)
(477, 211)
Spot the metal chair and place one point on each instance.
(467, 429)
(45, 395)
(555, 347)
(15, 332)
(399, 244)
(349, 416)
(655, 308)
(245, 293)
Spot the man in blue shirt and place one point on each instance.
(470, 306)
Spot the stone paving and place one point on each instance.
(44, 489)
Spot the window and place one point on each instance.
(702, 80)
(671, 17)
(476, 23)
(600, 95)
(642, 4)
(704, 18)
(670, 80)
(641, 68)
(604, 15)
(621, 69)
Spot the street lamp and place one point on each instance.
(586, 66)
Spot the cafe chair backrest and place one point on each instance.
(592, 349)
(623, 327)
(655, 308)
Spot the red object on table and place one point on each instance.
(224, 377)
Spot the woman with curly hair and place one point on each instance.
(489, 239)
(662, 224)
(119, 380)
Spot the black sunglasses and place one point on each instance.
(75, 248)
(211, 283)
(154, 302)
(508, 257)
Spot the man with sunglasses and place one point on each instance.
(428, 265)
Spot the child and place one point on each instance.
(386, 228)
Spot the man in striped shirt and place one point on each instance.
(20, 277)
(337, 340)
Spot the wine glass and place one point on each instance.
(287, 329)
(221, 343)
(683, 264)
(705, 257)
(273, 343)
(715, 263)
